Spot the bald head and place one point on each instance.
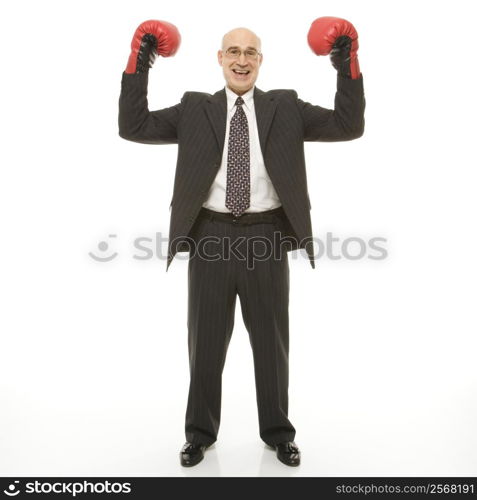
(243, 34)
(240, 58)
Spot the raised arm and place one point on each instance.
(136, 122)
(338, 38)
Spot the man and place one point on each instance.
(240, 180)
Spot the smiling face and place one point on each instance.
(240, 73)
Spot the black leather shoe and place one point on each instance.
(192, 454)
(288, 453)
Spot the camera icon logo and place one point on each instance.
(12, 490)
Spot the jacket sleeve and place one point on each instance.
(137, 123)
(343, 123)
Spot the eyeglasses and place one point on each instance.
(235, 53)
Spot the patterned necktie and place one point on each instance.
(237, 193)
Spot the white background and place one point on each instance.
(94, 368)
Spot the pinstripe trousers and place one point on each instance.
(243, 258)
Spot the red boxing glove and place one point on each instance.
(150, 39)
(337, 37)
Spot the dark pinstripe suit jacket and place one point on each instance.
(197, 124)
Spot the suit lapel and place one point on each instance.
(216, 109)
(265, 107)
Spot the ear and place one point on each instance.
(220, 57)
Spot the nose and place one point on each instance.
(242, 60)
(242, 66)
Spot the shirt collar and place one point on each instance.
(232, 97)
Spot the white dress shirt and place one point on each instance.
(262, 193)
